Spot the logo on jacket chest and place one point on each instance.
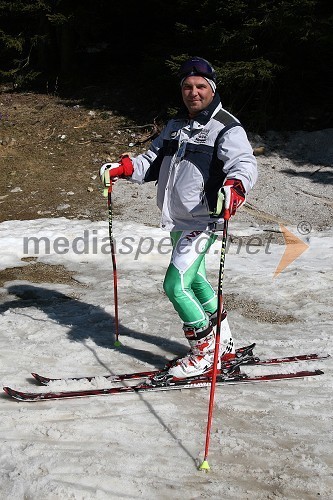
(201, 137)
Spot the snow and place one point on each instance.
(271, 440)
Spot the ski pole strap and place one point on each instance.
(219, 204)
(107, 182)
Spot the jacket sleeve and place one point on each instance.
(235, 151)
(143, 161)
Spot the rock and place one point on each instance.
(259, 151)
(63, 206)
(7, 141)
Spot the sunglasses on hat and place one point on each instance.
(197, 66)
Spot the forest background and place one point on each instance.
(273, 58)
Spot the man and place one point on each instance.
(198, 156)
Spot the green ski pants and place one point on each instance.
(185, 282)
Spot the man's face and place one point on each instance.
(197, 94)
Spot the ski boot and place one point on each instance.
(200, 359)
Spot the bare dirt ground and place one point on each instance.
(51, 150)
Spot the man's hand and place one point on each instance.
(234, 197)
(124, 168)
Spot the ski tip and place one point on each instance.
(118, 343)
(19, 396)
(40, 379)
(204, 466)
(10, 392)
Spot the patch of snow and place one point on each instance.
(269, 440)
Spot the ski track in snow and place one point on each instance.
(269, 441)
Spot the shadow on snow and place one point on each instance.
(86, 321)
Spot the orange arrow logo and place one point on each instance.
(294, 249)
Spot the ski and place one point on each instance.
(195, 382)
(244, 359)
(242, 353)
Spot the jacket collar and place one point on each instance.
(205, 115)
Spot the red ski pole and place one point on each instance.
(205, 465)
(114, 264)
